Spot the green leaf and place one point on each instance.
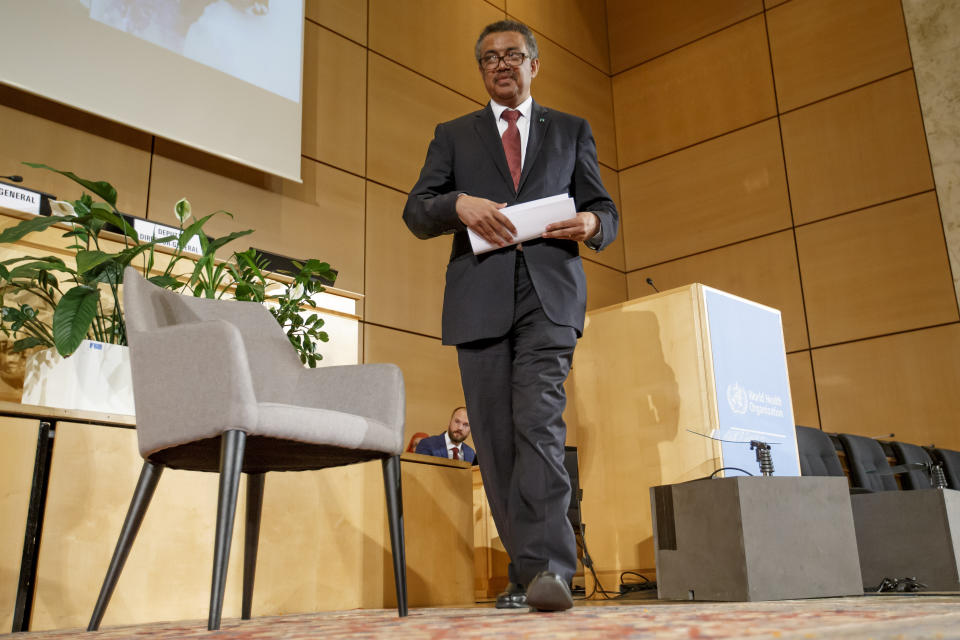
(28, 343)
(72, 318)
(106, 214)
(165, 282)
(110, 272)
(196, 227)
(18, 231)
(87, 260)
(103, 189)
(216, 243)
(31, 270)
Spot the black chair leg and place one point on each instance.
(251, 538)
(146, 485)
(391, 482)
(231, 462)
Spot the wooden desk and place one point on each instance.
(27, 436)
(324, 542)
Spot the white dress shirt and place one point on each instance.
(451, 445)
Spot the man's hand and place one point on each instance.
(484, 218)
(578, 229)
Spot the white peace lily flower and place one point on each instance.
(182, 209)
(62, 208)
(296, 292)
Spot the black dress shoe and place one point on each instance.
(515, 597)
(548, 592)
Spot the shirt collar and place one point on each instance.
(524, 108)
(446, 438)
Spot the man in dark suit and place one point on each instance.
(450, 444)
(515, 313)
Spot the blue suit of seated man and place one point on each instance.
(451, 444)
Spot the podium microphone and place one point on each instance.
(12, 178)
(650, 282)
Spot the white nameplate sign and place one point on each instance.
(147, 231)
(13, 197)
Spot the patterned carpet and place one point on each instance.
(881, 618)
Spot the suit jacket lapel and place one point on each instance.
(539, 123)
(490, 136)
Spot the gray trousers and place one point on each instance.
(515, 399)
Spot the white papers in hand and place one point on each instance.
(530, 219)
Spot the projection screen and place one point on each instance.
(223, 76)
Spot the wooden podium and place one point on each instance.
(649, 376)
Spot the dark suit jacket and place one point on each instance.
(437, 446)
(466, 156)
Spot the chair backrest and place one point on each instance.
(147, 307)
(913, 454)
(818, 456)
(864, 457)
(951, 466)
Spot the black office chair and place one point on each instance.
(950, 460)
(915, 476)
(867, 463)
(818, 456)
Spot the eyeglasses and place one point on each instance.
(512, 59)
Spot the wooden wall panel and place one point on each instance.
(18, 450)
(438, 511)
(29, 138)
(320, 532)
(605, 286)
(580, 26)
(569, 84)
(404, 109)
(763, 270)
(642, 30)
(430, 372)
(722, 191)
(612, 256)
(772, 3)
(167, 576)
(802, 389)
(405, 275)
(334, 99)
(876, 271)
(435, 38)
(823, 47)
(857, 149)
(346, 17)
(904, 384)
(703, 90)
(321, 218)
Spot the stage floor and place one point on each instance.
(878, 617)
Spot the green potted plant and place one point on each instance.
(72, 307)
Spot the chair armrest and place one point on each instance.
(374, 391)
(191, 381)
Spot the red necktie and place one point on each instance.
(456, 452)
(511, 144)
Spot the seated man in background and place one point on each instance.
(451, 443)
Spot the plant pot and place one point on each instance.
(95, 378)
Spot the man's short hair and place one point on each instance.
(508, 25)
(455, 411)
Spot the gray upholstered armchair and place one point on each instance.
(245, 403)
